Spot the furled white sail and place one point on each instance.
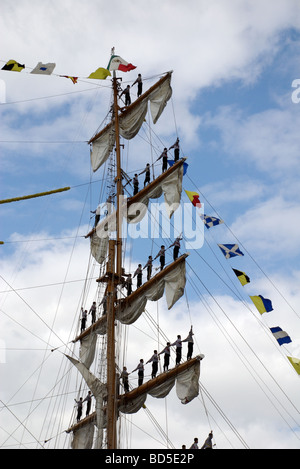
(187, 388)
(87, 349)
(187, 385)
(102, 147)
(98, 390)
(172, 283)
(159, 98)
(171, 187)
(99, 247)
(83, 437)
(130, 121)
(134, 405)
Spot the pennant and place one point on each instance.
(230, 250)
(295, 363)
(43, 69)
(262, 304)
(185, 166)
(73, 79)
(281, 336)
(117, 63)
(13, 66)
(210, 221)
(100, 74)
(243, 278)
(194, 198)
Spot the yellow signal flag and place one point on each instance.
(295, 362)
(194, 198)
(100, 74)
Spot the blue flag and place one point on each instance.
(185, 166)
(211, 221)
(281, 336)
(230, 250)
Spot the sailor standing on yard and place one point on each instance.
(149, 267)
(154, 359)
(161, 256)
(176, 245)
(128, 284)
(147, 175)
(139, 274)
(164, 157)
(97, 214)
(167, 353)
(176, 149)
(124, 376)
(88, 400)
(127, 95)
(135, 184)
(79, 408)
(195, 444)
(178, 344)
(190, 342)
(140, 85)
(208, 442)
(140, 369)
(93, 311)
(83, 319)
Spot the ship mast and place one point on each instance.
(114, 275)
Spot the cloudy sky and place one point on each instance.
(237, 115)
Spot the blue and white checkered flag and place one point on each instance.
(210, 221)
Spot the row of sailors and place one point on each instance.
(162, 259)
(155, 359)
(128, 282)
(207, 444)
(164, 158)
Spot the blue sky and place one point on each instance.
(234, 64)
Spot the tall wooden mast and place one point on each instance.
(115, 255)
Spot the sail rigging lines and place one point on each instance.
(291, 428)
(245, 249)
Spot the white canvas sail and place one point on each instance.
(172, 283)
(99, 247)
(130, 121)
(83, 437)
(170, 186)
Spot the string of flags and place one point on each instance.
(115, 63)
(263, 305)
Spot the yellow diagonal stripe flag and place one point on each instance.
(296, 363)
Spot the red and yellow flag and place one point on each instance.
(194, 198)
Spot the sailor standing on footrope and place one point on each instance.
(162, 257)
(154, 359)
(178, 344)
(164, 157)
(190, 342)
(176, 149)
(176, 245)
(167, 353)
(140, 369)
